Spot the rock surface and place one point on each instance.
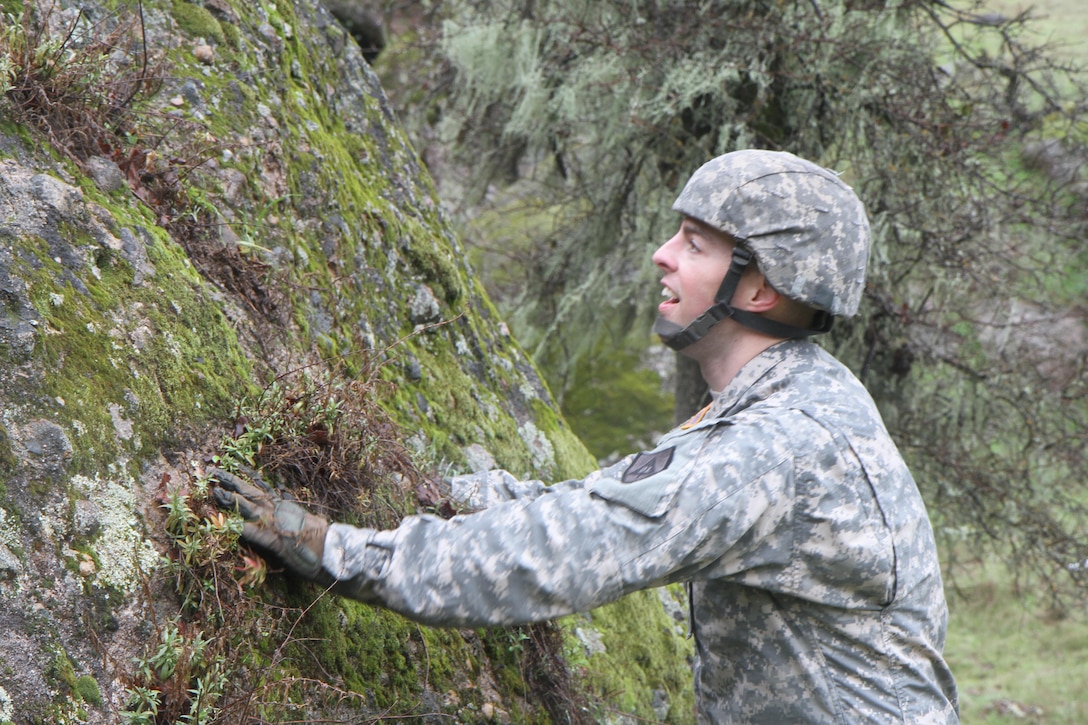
(132, 323)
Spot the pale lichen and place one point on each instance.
(123, 553)
(8, 536)
(540, 448)
(7, 707)
(591, 640)
(11, 567)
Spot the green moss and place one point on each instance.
(62, 671)
(71, 563)
(86, 688)
(196, 21)
(643, 653)
(9, 464)
(504, 647)
(460, 409)
(232, 36)
(369, 648)
(83, 688)
(390, 660)
(455, 416)
(571, 455)
(435, 264)
(172, 358)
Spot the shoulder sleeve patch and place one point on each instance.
(648, 464)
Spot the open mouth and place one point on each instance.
(671, 298)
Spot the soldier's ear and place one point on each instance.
(755, 294)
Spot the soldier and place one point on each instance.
(814, 584)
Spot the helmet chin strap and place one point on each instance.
(677, 337)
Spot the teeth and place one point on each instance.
(666, 292)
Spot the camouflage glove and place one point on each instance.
(275, 524)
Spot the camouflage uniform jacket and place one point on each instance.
(816, 595)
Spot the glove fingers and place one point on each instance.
(256, 477)
(226, 499)
(227, 480)
(235, 494)
(249, 473)
(249, 510)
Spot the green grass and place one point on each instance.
(1015, 659)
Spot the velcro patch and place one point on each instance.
(648, 464)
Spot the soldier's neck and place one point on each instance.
(727, 349)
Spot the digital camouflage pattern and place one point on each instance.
(816, 595)
(807, 228)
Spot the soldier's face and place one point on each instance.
(694, 263)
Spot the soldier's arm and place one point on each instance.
(484, 489)
(571, 551)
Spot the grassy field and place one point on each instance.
(1015, 659)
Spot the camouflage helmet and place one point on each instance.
(805, 227)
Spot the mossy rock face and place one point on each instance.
(303, 230)
(196, 21)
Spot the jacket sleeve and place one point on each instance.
(478, 491)
(572, 550)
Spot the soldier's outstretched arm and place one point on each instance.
(556, 554)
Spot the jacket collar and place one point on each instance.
(745, 388)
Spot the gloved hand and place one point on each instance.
(275, 524)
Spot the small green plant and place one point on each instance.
(518, 638)
(87, 690)
(85, 86)
(7, 68)
(200, 545)
(66, 85)
(187, 672)
(179, 679)
(323, 435)
(212, 664)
